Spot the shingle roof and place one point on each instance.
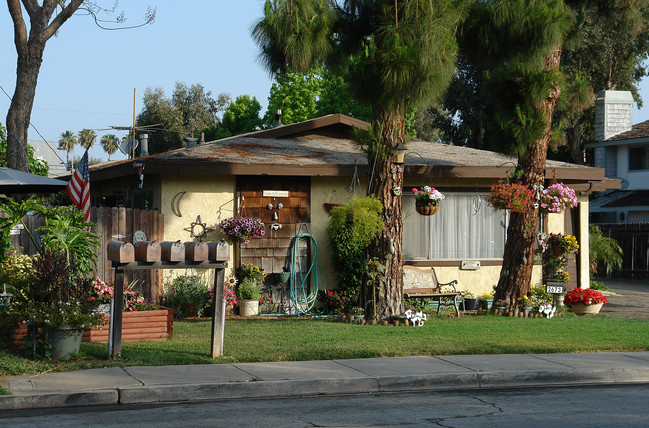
(324, 150)
(639, 130)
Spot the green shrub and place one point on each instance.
(596, 285)
(188, 296)
(249, 289)
(352, 227)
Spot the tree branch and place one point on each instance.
(56, 23)
(20, 29)
(31, 6)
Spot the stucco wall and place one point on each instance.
(332, 190)
(211, 197)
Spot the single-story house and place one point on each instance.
(310, 165)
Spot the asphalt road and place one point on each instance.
(586, 406)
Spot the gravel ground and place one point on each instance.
(627, 299)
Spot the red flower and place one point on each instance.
(587, 296)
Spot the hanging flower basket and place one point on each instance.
(426, 208)
(557, 198)
(514, 197)
(427, 200)
(242, 229)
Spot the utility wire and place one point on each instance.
(47, 144)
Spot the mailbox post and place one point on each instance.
(122, 261)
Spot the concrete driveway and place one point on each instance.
(627, 299)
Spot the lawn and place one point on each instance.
(297, 339)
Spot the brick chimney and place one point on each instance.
(613, 113)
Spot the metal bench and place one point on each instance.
(439, 291)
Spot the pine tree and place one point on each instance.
(404, 52)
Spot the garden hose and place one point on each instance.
(299, 287)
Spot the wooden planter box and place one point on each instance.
(139, 325)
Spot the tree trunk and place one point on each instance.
(386, 182)
(574, 139)
(518, 259)
(20, 110)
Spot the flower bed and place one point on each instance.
(139, 325)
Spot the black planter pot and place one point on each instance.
(471, 304)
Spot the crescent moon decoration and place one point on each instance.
(175, 204)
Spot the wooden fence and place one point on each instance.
(634, 240)
(113, 223)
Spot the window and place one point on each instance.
(638, 158)
(464, 228)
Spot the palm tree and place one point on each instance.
(87, 137)
(109, 144)
(67, 142)
(603, 251)
(404, 53)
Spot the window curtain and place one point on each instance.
(464, 228)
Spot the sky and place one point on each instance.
(89, 75)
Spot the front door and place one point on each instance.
(283, 204)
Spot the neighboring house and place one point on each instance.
(47, 151)
(310, 165)
(622, 150)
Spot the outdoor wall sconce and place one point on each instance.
(398, 154)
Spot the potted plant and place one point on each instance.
(249, 292)
(500, 304)
(525, 304)
(486, 300)
(585, 301)
(557, 198)
(514, 197)
(242, 229)
(427, 200)
(470, 301)
(56, 305)
(357, 313)
(562, 245)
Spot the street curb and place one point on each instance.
(149, 394)
(44, 401)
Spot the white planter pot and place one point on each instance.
(248, 308)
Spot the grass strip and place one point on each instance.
(300, 339)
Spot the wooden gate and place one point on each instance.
(120, 224)
(112, 223)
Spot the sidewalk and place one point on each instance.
(135, 385)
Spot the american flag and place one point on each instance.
(79, 187)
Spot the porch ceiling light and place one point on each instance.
(398, 153)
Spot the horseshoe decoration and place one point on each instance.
(175, 204)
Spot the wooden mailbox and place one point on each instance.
(120, 252)
(196, 251)
(147, 251)
(173, 251)
(219, 251)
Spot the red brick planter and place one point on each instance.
(139, 325)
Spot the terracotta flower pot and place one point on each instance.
(425, 208)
